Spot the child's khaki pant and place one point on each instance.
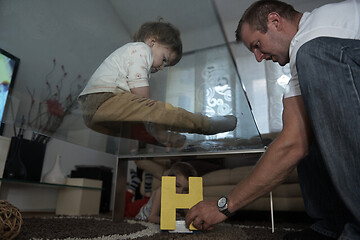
(114, 114)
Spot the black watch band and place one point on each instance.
(226, 212)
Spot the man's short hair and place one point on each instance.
(257, 15)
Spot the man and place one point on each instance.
(321, 123)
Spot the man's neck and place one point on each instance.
(293, 26)
(297, 21)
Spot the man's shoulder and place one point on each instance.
(321, 23)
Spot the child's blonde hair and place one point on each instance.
(182, 168)
(165, 33)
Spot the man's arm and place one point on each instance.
(280, 159)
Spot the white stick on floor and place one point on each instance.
(272, 213)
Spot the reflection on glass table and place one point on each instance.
(204, 82)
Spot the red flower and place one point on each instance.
(54, 107)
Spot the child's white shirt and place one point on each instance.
(127, 67)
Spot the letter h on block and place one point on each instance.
(170, 200)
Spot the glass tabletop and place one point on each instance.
(204, 81)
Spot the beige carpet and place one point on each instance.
(94, 228)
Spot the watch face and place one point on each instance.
(222, 202)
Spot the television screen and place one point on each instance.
(8, 68)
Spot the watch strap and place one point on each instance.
(226, 212)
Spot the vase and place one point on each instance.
(55, 175)
(14, 167)
(32, 155)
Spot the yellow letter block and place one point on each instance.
(170, 200)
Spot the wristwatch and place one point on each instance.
(222, 205)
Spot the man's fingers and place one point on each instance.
(206, 227)
(189, 218)
(198, 223)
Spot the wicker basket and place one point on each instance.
(10, 221)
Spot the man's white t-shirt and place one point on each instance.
(127, 67)
(339, 20)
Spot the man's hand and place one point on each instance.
(204, 215)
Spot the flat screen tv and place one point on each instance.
(9, 65)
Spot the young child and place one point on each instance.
(148, 209)
(116, 100)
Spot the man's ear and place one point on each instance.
(274, 20)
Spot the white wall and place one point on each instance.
(79, 34)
